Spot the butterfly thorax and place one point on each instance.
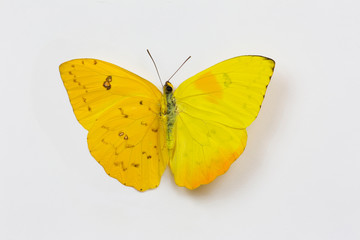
(169, 113)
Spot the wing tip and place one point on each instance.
(266, 58)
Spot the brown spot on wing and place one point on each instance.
(105, 127)
(135, 165)
(123, 168)
(107, 85)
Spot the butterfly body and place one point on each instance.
(171, 112)
(135, 131)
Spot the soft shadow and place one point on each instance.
(259, 135)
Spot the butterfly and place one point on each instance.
(135, 131)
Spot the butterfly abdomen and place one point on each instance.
(170, 114)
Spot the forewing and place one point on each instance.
(94, 86)
(230, 92)
(127, 140)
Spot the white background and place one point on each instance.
(298, 177)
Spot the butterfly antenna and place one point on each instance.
(179, 67)
(155, 66)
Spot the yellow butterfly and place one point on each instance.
(135, 131)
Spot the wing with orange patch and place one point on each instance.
(214, 108)
(230, 92)
(203, 150)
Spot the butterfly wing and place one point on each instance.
(128, 140)
(121, 111)
(94, 86)
(214, 108)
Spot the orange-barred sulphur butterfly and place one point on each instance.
(135, 131)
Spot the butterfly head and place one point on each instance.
(168, 87)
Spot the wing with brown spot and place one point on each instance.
(94, 86)
(128, 141)
(121, 111)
